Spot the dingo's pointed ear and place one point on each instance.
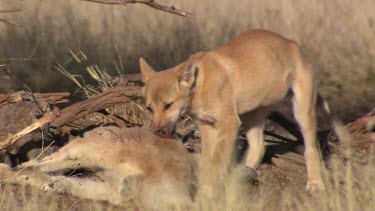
(188, 74)
(146, 70)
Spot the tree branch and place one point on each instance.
(11, 10)
(8, 22)
(150, 3)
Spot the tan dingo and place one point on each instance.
(237, 82)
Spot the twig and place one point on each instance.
(8, 22)
(11, 10)
(150, 3)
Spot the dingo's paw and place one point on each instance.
(315, 187)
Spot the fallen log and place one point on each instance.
(117, 95)
(50, 98)
(114, 96)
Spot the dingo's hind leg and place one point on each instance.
(304, 112)
(253, 124)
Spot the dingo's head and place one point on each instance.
(167, 94)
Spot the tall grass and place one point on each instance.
(338, 36)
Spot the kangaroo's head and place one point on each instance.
(167, 94)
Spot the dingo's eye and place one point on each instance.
(149, 109)
(167, 106)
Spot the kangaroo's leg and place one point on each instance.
(62, 159)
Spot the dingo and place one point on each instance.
(240, 80)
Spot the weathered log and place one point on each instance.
(114, 96)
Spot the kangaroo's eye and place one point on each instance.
(149, 109)
(167, 106)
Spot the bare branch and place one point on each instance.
(150, 3)
(8, 22)
(11, 10)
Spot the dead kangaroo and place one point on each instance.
(238, 82)
(125, 164)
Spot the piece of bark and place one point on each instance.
(55, 98)
(114, 96)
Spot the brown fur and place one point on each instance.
(238, 82)
(128, 164)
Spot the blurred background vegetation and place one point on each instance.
(338, 36)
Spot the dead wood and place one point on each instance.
(11, 139)
(150, 3)
(125, 79)
(55, 97)
(78, 124)
(8, 22)
(50, 98)
(114, 96)
(11, 10)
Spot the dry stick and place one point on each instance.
(8, 22)
(150, 3)
(11, 10)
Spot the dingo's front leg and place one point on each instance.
(217, 146)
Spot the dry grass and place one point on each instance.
(338, 36)
(349, 186)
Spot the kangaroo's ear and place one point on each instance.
(146, 70)
(187, 73)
